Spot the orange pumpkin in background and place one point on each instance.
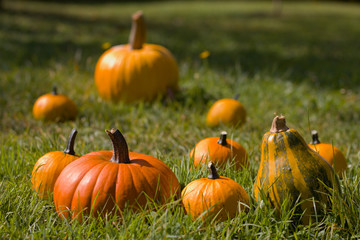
(218, 196)
(227, 111)
(219, 150)
(331, 153)
(104, 181)
(136, 71)
(54, 107)
(48, 167)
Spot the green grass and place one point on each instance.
(304, 64)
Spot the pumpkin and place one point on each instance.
(227, 111)
(137, 70)
(218, 196)
(48, 167)
(102, 181)
(331, 153)
(54, 107)
(291, 172)
(219, 150)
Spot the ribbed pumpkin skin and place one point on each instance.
(47, 169)
(209, 150)
(93, 183)
(129, 75)
(331, 154)
(227, 111)
(289, 168)
(222, 195)
(54, 107)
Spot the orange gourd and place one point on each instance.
(227, 111)
(219, 150)
(101, 182)
(218, 196)
(54, 107)
(291, 172)
(136, 71)
(331, 153)
(48, 167)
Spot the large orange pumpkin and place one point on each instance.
(98, 181)
(219, 150)
(48, 168)
(227, 111)
(218, 196)
(54, 107)
(136, 71)
(331, 153)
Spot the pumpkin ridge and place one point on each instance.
(158, 192)
(85, 207)
(140, 184)
(118, 73)
(196, 190)
(285, 180)
(310, 180)
(273, 178)
(61, 207)
(296, 169)
(95, 195)
(123, 170)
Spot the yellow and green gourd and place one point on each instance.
(290, 171)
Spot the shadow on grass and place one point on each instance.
(321, 50)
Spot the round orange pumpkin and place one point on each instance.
(99, 181)
(219, 150)
(220, 196)
(54, 107)
(227, 111)
(331, 153)
(136, 71)
(48, 167)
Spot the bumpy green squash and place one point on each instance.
(290, 171)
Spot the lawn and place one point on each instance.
(303, 64)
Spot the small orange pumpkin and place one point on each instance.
(219, 150)
(331, 153)
(227, 111)
(220, 196)
(99, 181)
(136, 71)
(48, 167)
(54, 107)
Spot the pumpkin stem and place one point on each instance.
(278, 125)
(120, 147)
(70, 144)
(212, 171)
(54, 90)
(236, 97)
(315, 137)
(222, 139)
(138, 31)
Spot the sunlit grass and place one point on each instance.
(303, 64)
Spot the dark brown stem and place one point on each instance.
(315, 137)
(236, 97)
(222, 139)
(71, 142)
(120, 147)
(138, 31)
(54, 90)
(278, 125)
(212, 171)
